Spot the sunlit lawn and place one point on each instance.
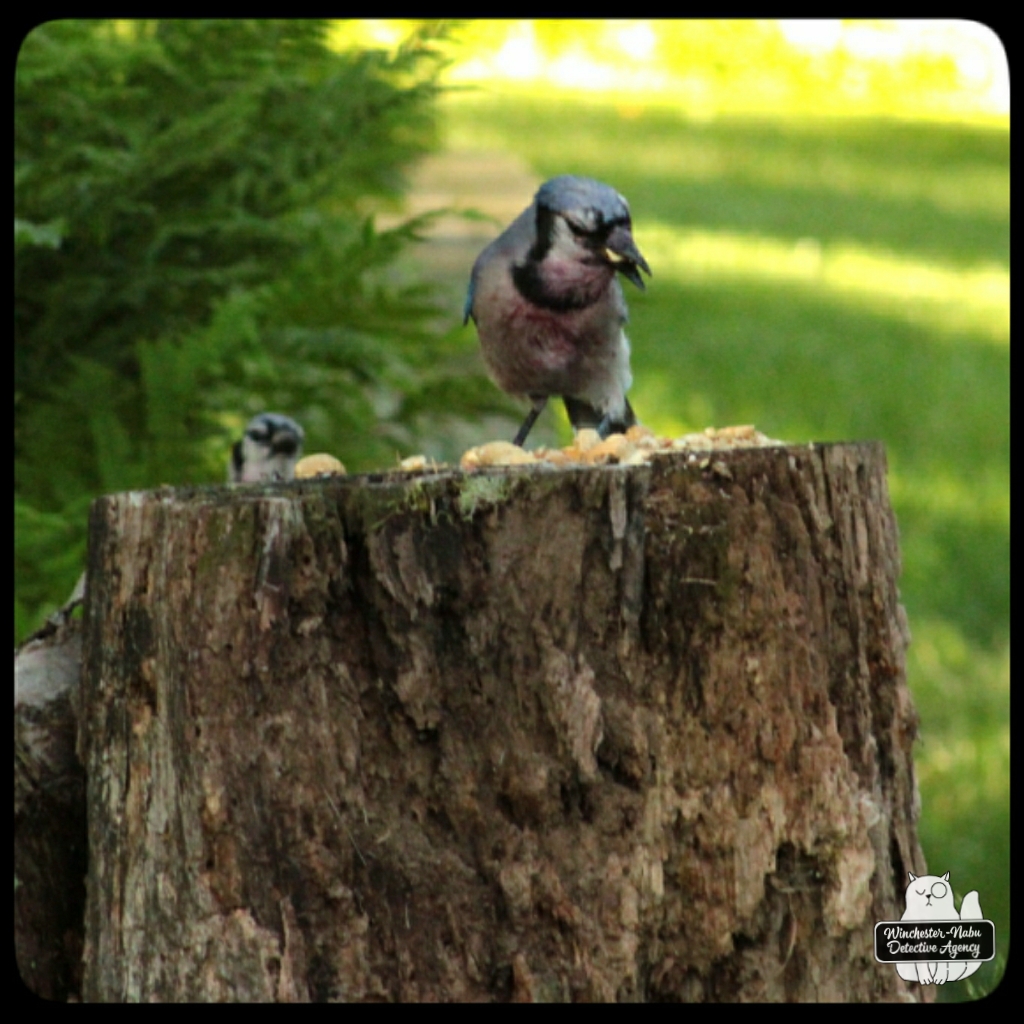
(835, 280)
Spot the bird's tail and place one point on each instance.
(583, 414)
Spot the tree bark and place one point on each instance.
(531, 734)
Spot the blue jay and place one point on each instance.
(549, 308)
(269, 449)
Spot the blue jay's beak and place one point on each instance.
(622, 253)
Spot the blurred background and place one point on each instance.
(213, 219)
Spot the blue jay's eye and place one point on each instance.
(585, 222)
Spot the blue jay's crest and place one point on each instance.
(269, 449)
(548, 306)
(583, 197)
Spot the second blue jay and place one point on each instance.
(269, 449)
(549, 308)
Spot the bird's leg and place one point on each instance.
(539, 401)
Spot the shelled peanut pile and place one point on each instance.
(634, 447)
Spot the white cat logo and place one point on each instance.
(930, 898)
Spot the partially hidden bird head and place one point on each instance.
(586, 221)
(269, 449)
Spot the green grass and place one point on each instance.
(838, 280)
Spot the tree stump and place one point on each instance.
(632, 733)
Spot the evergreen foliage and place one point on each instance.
(191, 248)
